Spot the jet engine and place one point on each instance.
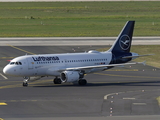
(71, 76)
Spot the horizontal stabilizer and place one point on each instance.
(135, 56)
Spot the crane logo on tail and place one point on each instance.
(125, 42)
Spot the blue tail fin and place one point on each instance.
(124, 40)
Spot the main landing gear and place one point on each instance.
(57, 81)
(82, 82)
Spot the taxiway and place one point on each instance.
(129, 91)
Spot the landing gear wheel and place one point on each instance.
(25, 84)
(25, 81)
(57, 81)
(82, 82)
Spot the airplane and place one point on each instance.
(72, 67)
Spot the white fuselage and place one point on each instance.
(50, 64)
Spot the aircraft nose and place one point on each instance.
(6, 70)
(11, 70)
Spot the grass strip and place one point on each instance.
(77, 19)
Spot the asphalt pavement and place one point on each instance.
(124, 93)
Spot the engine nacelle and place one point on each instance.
(32, 78)
(70, 76)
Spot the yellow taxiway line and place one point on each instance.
(21, 49)
(158, 99)
(6, 57)
(3, 103)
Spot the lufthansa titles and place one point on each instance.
(42, 58)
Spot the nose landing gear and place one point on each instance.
(25, 81)
(25, 84)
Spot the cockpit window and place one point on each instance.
(11, 63)
(15, 63)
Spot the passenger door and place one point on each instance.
(30, 63)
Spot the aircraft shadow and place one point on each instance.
(144, 83)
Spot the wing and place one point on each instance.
(98, 66)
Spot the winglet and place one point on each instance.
(143, 63)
